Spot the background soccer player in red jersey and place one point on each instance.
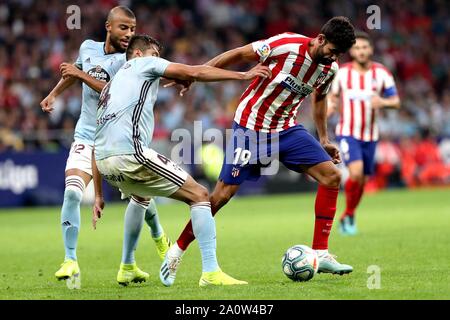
(267, 111)
(363, 87)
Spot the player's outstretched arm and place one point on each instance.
(233, 56)
(319, 102)
(223, 60)
(63, 84)
(99, 203)
(69, 70)
(206, 73)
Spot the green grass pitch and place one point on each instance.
(405, 233)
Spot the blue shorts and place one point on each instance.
(353, 149)
(249, 153)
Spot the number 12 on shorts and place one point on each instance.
(77, 148)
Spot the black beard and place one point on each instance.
(323, 60)
(326, 61)
(117, 46)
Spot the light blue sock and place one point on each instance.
(70, 215)
(152, 220)
(134, 218)
(205, 231)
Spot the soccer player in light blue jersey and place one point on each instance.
(125, 124)
(97, 63)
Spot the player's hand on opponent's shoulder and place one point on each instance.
(185, 85)
(69, 70)
(97, 210)
(258, 71)
(47, 103)
(333, 151)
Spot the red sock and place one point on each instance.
(353, 194)
(325, 208)
(187, 236)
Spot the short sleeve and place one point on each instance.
(335, 86)
(281, 44)
(262, 49)
(152, 66)
(79, 61)
(389, 88)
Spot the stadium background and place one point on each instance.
(34, 39)
(403, 232)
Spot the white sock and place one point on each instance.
(322, 253)
(176, 251)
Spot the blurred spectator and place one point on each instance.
(422, 161)
(34, 40)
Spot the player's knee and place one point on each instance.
(200, 194)
(73, 195)
(332, 179)
(358, 177)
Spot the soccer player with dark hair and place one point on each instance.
(363, 87)
(267, 112)
(123, 153)
(97, 63)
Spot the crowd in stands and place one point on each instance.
(412, 42)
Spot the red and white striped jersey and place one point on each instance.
(357, 118)
(271, 105)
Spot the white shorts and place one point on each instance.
(80, 157)
(150, 174)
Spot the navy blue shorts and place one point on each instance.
(353, 149)
(249, 153)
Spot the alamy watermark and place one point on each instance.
(374, 280)
(244, 147)
(374, 20)
(73, 21)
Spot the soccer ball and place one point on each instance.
(300, 263)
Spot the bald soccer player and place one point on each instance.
(97, 63)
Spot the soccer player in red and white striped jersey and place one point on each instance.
(360, 89)
(267, 110)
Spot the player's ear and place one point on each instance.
(321, 40)
(108, 26)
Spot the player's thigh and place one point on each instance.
(242, 157)
(352, 153)
(326, 173)
(79, 161)
(145, 175)
(191, 192)
(156, 175)
(298, 149)
(368, 154)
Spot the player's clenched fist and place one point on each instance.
(47, 103)
(69, 70)
(258, 71)
(97, 210)
(333, 151)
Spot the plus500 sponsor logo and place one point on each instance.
(17, 178)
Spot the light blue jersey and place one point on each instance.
(93, 60)
(125, 114)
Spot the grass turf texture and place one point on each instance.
(406, 233)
